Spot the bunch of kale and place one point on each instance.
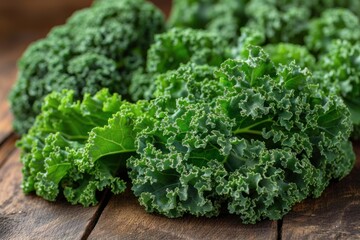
(196, 116)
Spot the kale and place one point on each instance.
(224, 17)
(339, 71)
(172, 49)
(255, 136)
(240, 105)
(96, 48)
(331, 25)
(271, 139)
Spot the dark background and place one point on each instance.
(28, 20)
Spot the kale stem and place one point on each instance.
(248, 128)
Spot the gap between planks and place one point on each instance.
(279, 229)
(31, 217)
(7, 149)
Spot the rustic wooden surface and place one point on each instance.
(124, 218)
(30, 217)
(7, 76)
(335, 215)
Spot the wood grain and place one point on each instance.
(30, 217)
(5, 121)
(124, 218)
(7, 77)
(335, 215)
(6, 148)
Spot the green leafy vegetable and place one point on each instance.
(96, 48)
(285, 53)
(178, 46)
(249, 36)
(255, 134)
(174, 48)
(318, 6)
(224, 17)
(333, 24)
(339, 71)
(281, 21)
(270, 140)
(63, 153)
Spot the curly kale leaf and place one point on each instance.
(280, 53)
(305, 116)
(178, 46)
(108, 29)
(174, 48)
(338, 71)
(331, 25)
(271, 139)
(318, 6)
(285, 53)
(249, 36)
(194, 82)
(96, 48)
(78, 148)
(281, 21)
(172, 175)
(224, 17)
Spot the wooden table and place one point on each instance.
(335, 215)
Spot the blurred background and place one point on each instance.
(23, 21)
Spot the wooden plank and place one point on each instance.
(7, 148)
(335, 215)
(5, 121)
(30, 217)
(124, 218)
